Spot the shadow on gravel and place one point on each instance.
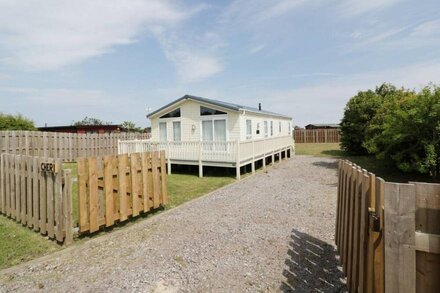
(311, 266)
(328, 165)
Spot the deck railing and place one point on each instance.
(209, 151)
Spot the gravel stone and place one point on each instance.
(270, 232)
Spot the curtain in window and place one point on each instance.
(163, 131)
(207, 130)
(220, 130)
(248, 129)
(176, 131)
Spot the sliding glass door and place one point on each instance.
(214, 130)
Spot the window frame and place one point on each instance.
(248, 135)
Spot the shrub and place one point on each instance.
(358, 113)
(15, 122)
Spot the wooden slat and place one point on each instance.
(400, 255)
(16, 200)
(35, 195)
(122, 182)
(83, 177)
(364, 233)
(2, 183)
(108, 189)
(145, 181)
(134, 185)
(428, 237)
(156, 186)
(67, 207)
(379, 248)
(163, 173)
(50, 202)
(43, 200)
(58, 204)
(93, 194)
(356, 226)
(23, 190)
(29, 206)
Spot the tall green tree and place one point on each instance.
(15, 122)
(358, 113)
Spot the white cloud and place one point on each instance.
(250, 12)
(358, 7)
(257, 49)
(193, 63)
(325, 101)
(428, 28)
(50, 34)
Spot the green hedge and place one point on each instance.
(397, 124)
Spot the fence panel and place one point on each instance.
(316, 135)
(33, 193)
(387, 234)
(114, 188)
(66, 146)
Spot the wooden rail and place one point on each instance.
(66, 146)
(36, 192)
(387, 234)
(317, 135)
(114, 188)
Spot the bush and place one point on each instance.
(358, 113)
(407, 130)
(15, 122)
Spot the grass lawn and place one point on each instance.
(19, 244)
(382, 168)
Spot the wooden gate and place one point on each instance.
(115, 187)
(36, 192)
(387, 234)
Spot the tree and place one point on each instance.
(90, 121)
(358, 113)
(15, 122)
(131, 127)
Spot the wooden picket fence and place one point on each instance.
(36, 192)
(66, 146)
(317, 135)
(387, 234)
(115, 187)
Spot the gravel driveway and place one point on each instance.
(270, 232)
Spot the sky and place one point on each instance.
(61, 61)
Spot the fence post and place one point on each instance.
(400, 254)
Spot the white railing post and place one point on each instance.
(168, 158)
(200, 160)
(237, 160)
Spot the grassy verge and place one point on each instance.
(19, 244)
(382, 168)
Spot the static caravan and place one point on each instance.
(199, 131)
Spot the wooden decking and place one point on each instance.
(231, 154)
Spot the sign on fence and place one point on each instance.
(387, 234)
(115, 187)
(40, 199)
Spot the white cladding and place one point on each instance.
(191, 123)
